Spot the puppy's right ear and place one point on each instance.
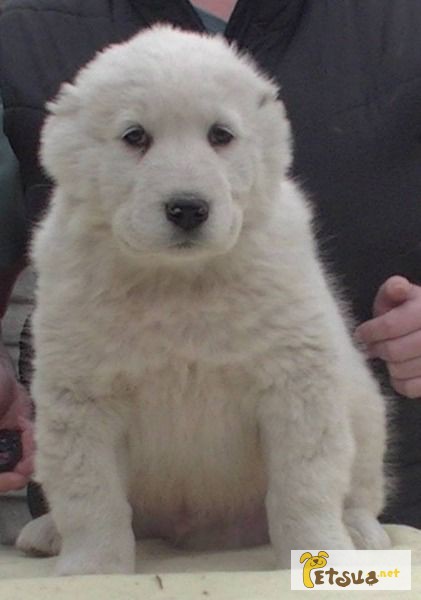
(66, 102)
(305, 556)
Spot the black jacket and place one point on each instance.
(350, 72)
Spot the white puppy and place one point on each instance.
(194, 378)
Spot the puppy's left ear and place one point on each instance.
(66, 102)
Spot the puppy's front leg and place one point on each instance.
(80, 465)
(308, 452)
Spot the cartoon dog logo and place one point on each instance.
(312, 562)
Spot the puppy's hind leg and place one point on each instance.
(366, 498)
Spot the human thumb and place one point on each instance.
(392, 293)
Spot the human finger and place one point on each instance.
(399, 321)
(401, 349)
(411, 388)
(392, 292)
(407, 369)
(13, 481)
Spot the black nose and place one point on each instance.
(187, 213)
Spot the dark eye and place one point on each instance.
(137, 137)
(220, 135)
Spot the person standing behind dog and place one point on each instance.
(14, 400)
(349, 72)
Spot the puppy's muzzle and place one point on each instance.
(187, 211)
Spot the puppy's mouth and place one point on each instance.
(186, 245)
(186, 242)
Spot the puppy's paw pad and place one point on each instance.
(40, 537)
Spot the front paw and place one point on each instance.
(93, 557)
(92, 565)
(365, 530)
(40, 537)
(332, 536)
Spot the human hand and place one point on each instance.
(394, 334)
(14, 413)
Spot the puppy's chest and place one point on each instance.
(194, 438)
(150, 331)
(188, 361)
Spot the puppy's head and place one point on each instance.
(171, 140)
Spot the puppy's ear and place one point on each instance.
(60, 136)
(269, 94)
(267, 97)
(66, 102)
(323, 553)
(305, 556)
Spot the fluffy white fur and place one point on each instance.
(189, 391)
